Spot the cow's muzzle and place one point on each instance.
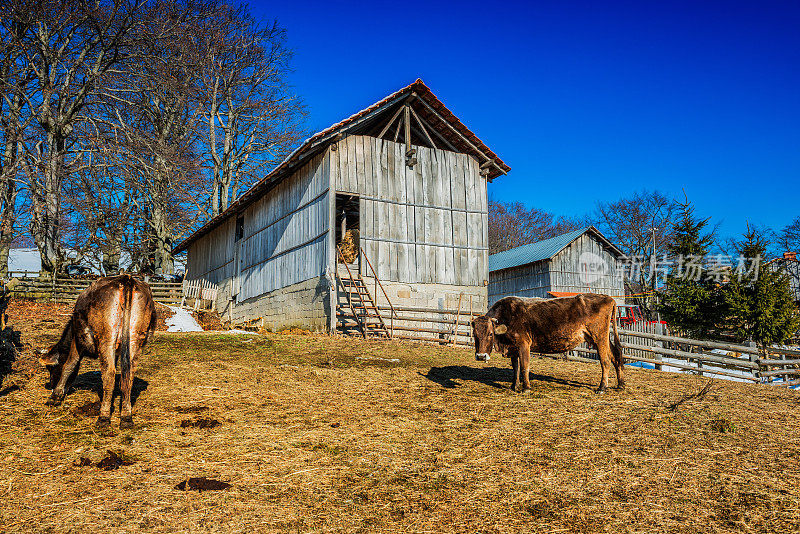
(482, 356)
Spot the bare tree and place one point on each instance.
(155, 101)
(15, 78)
(641, 226)
(512, 224)
(789, 237)
(72, 45)
(252, 116)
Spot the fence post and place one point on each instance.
(754, 358)
(660, 344)
(699, 360)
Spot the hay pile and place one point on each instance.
(317, 434)
(349, 246)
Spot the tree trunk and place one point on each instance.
(162, 231)
(47, 208)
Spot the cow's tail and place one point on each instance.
(124, 354)
(616, 346)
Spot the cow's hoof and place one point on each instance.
(621, 386)
(54, 400)
(126, 422)
(526, 391)
(600, 391)
(103, 422)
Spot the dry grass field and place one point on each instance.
(321, 434)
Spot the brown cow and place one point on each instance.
(518, 326)
(112, 320)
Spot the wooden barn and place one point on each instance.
(372, 225)
(583, 261)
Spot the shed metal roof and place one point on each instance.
(544, 250)
(431, 110)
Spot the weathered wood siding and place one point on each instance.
(570, 269)
(211, 258)
(532, 280)
(284, 232)
(283, 243)
(567, 271)
(427, 224)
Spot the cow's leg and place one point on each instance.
(108, 372)
(525, 368)
(514, 355)
(604, 350)
(619, 365)
(126, 385)
(68, 372)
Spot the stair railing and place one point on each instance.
(347, 293)
(378, 281)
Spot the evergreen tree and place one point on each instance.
(758, 299)
(691, 299)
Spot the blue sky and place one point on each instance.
(586, 101)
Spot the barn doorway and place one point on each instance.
(348, 215)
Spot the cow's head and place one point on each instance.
(54, 362)
(484, 330)
(54, 358)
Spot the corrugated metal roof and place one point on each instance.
(543, 250)
(320, 138)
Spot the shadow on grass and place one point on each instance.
(93, 381)
(496, 377)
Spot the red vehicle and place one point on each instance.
(630, 314)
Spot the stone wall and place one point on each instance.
(303, 305)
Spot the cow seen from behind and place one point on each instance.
(517, 326)
(112, 320)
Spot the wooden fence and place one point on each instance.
(202, 292)
(743, 362)
(642, 342)
(66, 290)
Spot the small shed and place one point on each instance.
(583, 261)
(372, 225)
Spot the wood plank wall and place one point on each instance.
(424, 224)
(210, 258)
(284, 238)
(284, 232)
(566, 270)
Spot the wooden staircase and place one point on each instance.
(358, 303)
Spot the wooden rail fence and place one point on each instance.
(646, 342)
(66, 290)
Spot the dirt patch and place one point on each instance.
(200, 423)
(89, 409)
(202, 484)
(113, 461)
(208, 320)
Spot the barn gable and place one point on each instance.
(406, 180)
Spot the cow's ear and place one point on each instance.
(500, 329)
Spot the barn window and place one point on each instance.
(347, 224)
(239, 233)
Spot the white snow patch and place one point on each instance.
(182, 321)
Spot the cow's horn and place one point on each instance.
(494, 319)
(500, 329)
